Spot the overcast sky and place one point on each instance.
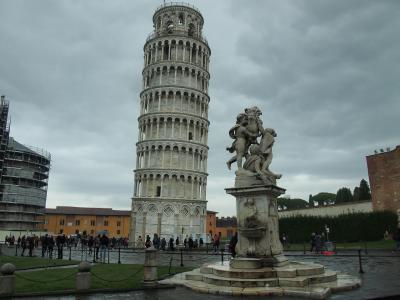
(324, 73)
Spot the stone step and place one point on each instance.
(302, 269)
(227, 271)
(302, 281)
(239, 282)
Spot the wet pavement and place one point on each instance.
(381, 275)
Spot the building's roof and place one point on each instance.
(14, 145)
(211, 212)
(92, 211)
(384, 152)
(226, 222)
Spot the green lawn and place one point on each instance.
(104, 276)
(372, 245)
(34, 262)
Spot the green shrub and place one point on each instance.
(343, 228)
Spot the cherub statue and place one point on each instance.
(245, 133)
(243, 139)
(266, 143)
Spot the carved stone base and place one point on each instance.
(257, 215)
(295, 279)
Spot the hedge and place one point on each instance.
(343, 228)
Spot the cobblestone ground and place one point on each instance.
(381, 277)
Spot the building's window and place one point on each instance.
(46, 222)
(158, 194)
(105, 222)
(92, 223)
(190, 136)
(91, 231)
(77, 222)
(118, 231)
(118, 223)
(210, 224)
(62, 222)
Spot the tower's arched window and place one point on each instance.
(191, 29)
(169, 26)
(158, 23)
(181, 19)
(190, 136)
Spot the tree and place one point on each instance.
(365, 193)
(287, 203)
(344, 195)
(356, 194)
(324, 198)
(311, 201)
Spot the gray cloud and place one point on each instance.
(324, 74)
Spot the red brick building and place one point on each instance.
(384, 179)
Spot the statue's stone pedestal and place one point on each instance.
(260, 268)
(258, 228)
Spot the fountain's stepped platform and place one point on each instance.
(294, 279)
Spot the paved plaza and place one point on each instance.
(381, 277)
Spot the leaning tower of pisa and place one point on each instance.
(171, 166)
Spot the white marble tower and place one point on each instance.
(171, 166)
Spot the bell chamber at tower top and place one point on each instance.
(182, 22)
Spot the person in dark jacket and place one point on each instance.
(163, 244)
(31, 245)
(171, 244)
(232, 244)
(43, 241)
(50, 245)
(23, 245)
(104, 241)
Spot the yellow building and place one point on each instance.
(211, 223)
(225, 227)
(92, 221)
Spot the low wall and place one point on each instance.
(18, 233)
(332, 210)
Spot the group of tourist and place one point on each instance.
(317, 242)
(162, 244)
(97, 245)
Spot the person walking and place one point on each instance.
(97, 245)
(163, 244)
(139, 242)
(43, 241)
(147, 243)
(104, 241)
(59, 246)
(156, 241)
(216, 243)
(171, 244)
(31, 245)
(232, 245)
(23, 245)
(90, 244)
(50, 245)
(312, 242)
